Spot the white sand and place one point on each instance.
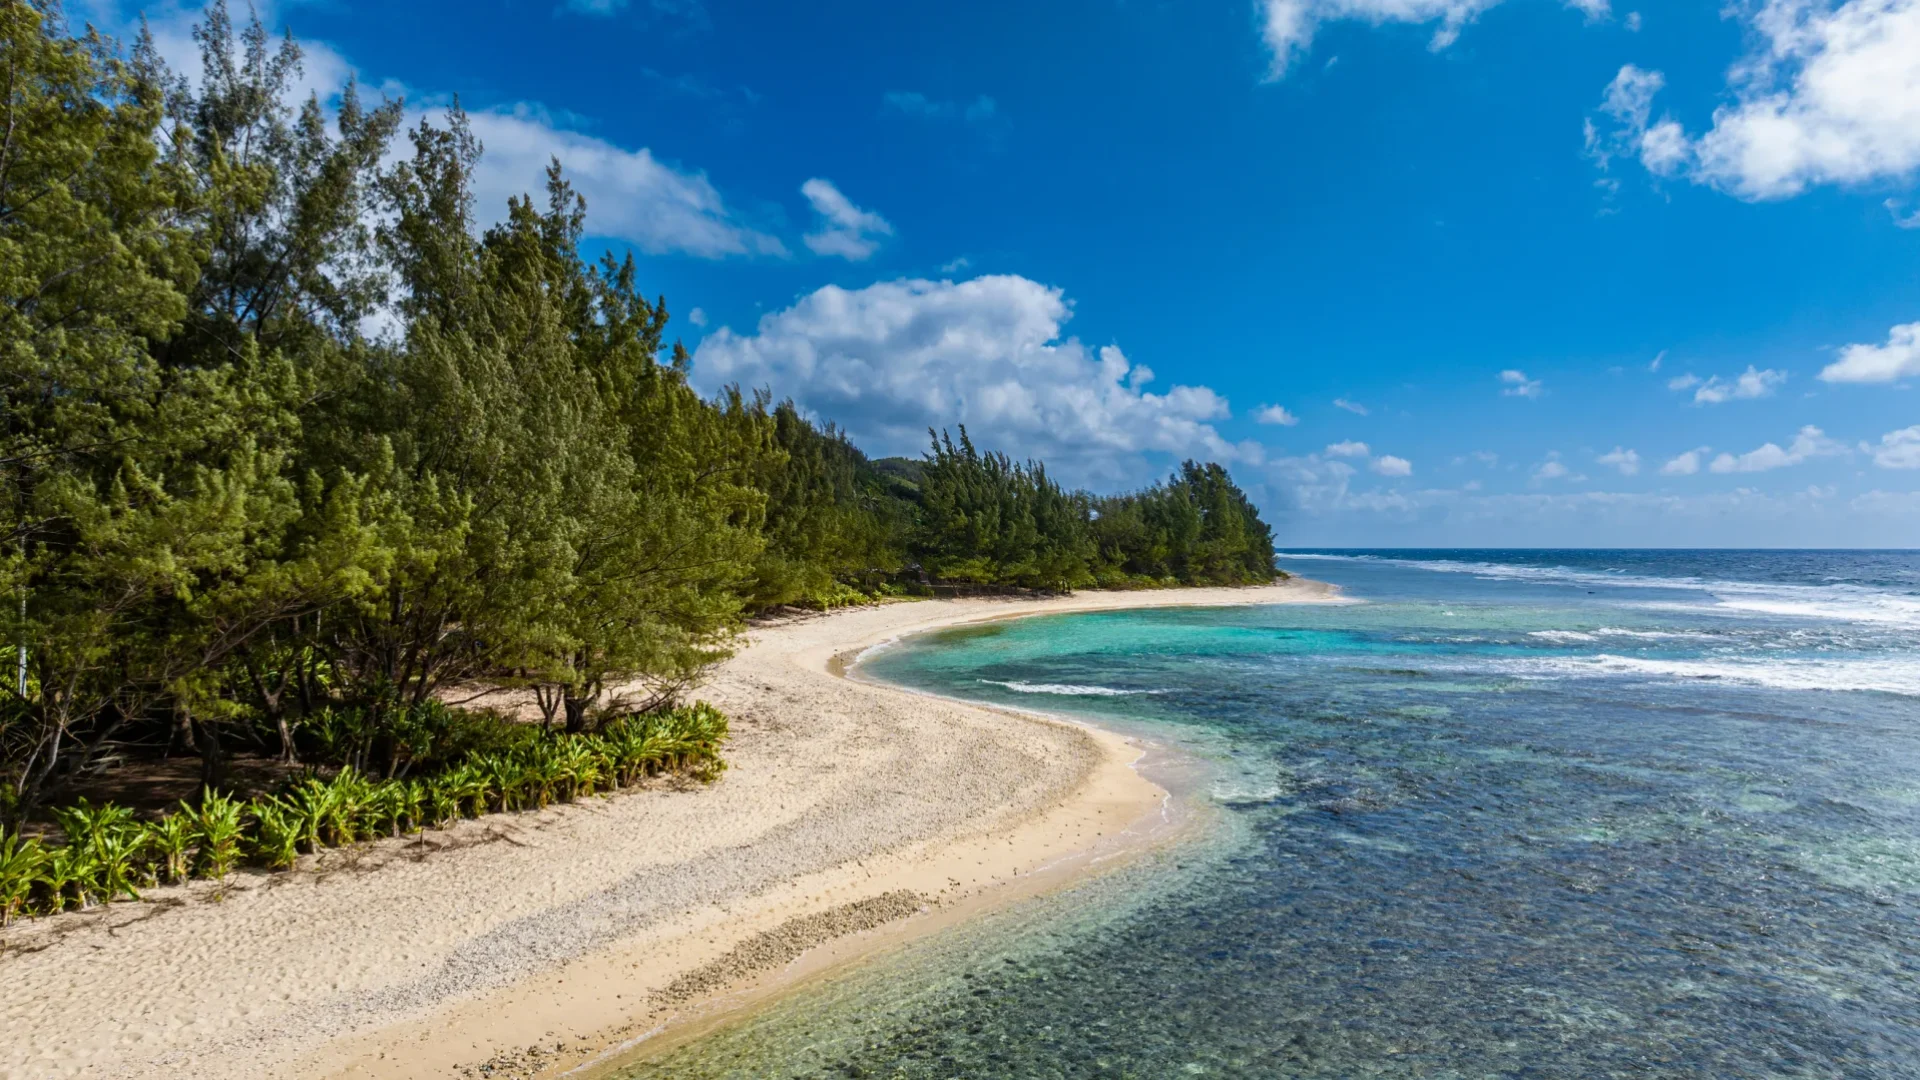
(408, 958)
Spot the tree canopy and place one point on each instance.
(284, 426)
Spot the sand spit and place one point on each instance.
(533, 942)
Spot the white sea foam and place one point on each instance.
(1891, 676)
(1575, 636)
(1067, 689)
(1848, 603)
(1228, 792)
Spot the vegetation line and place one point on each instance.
(488, 766)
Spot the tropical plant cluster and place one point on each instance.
(293, 444)
(110, 854)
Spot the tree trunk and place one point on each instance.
(548, 696)
(287, 756)
(181, 734)
(213, 764)
(577, 713)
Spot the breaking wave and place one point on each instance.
(1066, 689)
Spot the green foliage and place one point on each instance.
(1195, 529)
(109, 843)
(228, 512)
(108, 854)
(277, 834)
(988, 520)
(169, 841)
(20, 861)
(219, 825)
(64, 875)
(831, 520)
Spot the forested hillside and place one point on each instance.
(291, 433)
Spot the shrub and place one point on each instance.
(276, 834)
(170, 843)
(63, 878)
(108, 854)
(20, 860)
(219, 826)
(109, 843)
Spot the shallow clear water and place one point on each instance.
(1518, 814)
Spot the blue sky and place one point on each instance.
(1421, 272)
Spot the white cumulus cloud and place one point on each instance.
(1350, 448)
(845, 230)
(1751, 383)
(1830, 94)
(897, 357)
(1388, 465)
(1898, 449)
(1684, 464)
(1810, 443)
(1275, 414)
(1899, 358)
(1627, 461)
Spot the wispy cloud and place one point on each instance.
(1351, 406)
(631, 195)
(1751, 383)
(685, 15)
(981, 110)
(1288, 26)
(845, 230)
(1518, 385)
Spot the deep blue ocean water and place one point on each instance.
(1514, 813)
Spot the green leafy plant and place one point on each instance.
(65, 877)
(20, 861)
(277, 834)
(109, 842)
(409, 805)
(219, 823)
(443, 801)
(170, 842)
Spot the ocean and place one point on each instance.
(1513, 813)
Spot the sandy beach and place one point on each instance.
(851, 814)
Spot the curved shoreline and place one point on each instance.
(593, 925)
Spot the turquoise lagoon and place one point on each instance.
(1514, 814)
